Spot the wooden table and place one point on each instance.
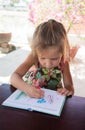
(72, 116)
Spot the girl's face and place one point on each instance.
(49, 57)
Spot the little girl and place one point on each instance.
(48, 63)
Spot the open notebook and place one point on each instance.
(52, 103)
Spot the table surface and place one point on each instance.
(72, 116)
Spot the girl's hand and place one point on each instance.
(64, 91)
(35, 92)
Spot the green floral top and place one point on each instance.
(44, 77)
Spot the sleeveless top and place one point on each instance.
(44, 77)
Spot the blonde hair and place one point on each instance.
(51, 33)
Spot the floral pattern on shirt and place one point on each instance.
(44, 77)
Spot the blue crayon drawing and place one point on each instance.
(49, 99)
(42, 100)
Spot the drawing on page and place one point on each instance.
(48, 99)
(42, 100)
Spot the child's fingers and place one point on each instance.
(39, 93)
(36, 93)
(67, 93)
(70, 93)
(61, 90)
(64, 91)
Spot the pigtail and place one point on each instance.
(66, 50)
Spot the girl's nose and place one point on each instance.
(48, 64)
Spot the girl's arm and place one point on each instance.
(18, 82)
(67, 80)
